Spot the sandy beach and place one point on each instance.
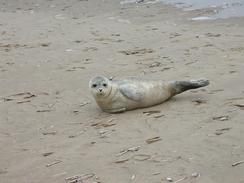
(51, 128)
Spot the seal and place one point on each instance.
(119, 95)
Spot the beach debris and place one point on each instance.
(195, 175)
(44, 110)
(208, 45)
(44, 44)
(23, 101)
(212, 35)
(90, 49)
(53, 163)
(75, 123)
(221, 118)
(8, 47)
(105, 40)
(172, 35)
(115, 34)
(111, 78)
(104, 133)
(7, 99)
(72, 136)
(47, 154)
(42, 93)
(154, 64)
(124, 21)
(221, 131)
(224, 129)
(75, 135)
(202, 18)
(189, 63)
(238, 163)
(29, 95)
(2, 70)
(131, 1)
(166, 68)
(104, 124)
(141, 157)
(49, 133)
(131, 149)
(121, 160)
(76, 68)
(137, 51)
(152, 140)
(159, 116)
(156, 173)
(78, 41)
(199, 101)
(180, 179)
(169, 179)
(60, 17)
(84, 103)
(3, 172)
(218, 133)
(68, 50)
(215, 91)
(238, 49)
(133, 177)
(237, 98)
(23, 95)
(76, 111)
(79, 178)
(151, 112)
(59, 174)
(241, 106)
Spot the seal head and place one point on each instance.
(100, 87)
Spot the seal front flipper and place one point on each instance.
(131, 92)
(115, 110)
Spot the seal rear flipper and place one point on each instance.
(181, 86)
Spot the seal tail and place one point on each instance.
(181, 86)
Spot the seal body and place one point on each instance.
(120, 95)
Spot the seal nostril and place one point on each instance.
(100, 90)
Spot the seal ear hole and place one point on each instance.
(94, 85)
(105, 85)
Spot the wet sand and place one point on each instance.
(51, 128)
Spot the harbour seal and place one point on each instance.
(119, 95)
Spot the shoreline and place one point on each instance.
(213, 10)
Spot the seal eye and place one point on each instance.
(94, 85)
(105, 85)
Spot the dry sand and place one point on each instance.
(50, 126)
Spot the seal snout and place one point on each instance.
(100, 91)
